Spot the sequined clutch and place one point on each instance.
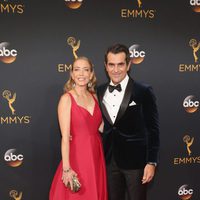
(75, 183)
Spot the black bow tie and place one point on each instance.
(111, 88)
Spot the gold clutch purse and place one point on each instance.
(75, 183)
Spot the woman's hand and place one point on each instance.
(67, 177)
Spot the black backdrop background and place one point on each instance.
(40, 33)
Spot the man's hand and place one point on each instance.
(149, 172)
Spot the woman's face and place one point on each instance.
(81, 73)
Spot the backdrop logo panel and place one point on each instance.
(15, 195)
(12, 158)
(190, 104)
(138, 10)
(11, 7)
(195, 52)
(195, 5)
(75, 45)
(73, 4)
(136, 54)
(185, 192)
(10, 104)
(188, 141)
(7, 55)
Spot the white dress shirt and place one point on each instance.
(112, 101)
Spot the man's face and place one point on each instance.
(117, 67)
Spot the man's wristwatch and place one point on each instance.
(152, 163)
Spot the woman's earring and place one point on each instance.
(73, 84)
(90, 84)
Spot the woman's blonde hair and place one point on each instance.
(69, 85)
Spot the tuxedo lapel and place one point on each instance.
(126, 100)
(103, 108)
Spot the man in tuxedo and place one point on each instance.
(131, 128)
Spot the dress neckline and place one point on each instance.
(83, 108)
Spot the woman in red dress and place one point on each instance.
(82, 154)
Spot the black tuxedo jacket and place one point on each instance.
(133, 140)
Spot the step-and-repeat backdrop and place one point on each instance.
(38, 42)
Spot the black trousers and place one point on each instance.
(125, 184)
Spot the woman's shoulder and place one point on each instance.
(66, 97)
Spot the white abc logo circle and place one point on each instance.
(7, 52)
(195, 2)
(185, 192)
(135, 54)
(13, 157)
(189, 103)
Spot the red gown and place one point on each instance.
(86, 157)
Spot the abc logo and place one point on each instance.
(195, 2)
(73, 4)
(12, 158)
(6, 55)
(6, 52)
(185, 193)
(190, 104)
(136, 55)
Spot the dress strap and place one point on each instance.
(95, 99)
(71, 97)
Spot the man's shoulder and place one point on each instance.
(143, 89)
(141, 85)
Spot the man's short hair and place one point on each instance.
(117, 48)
